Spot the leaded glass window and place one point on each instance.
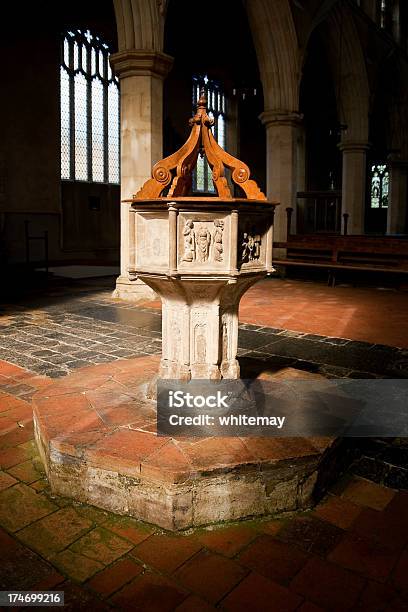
(202, 179)
(89, 110)
(380, 180)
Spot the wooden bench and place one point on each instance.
(333, 252)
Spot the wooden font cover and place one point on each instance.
(176, 169)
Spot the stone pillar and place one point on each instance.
(282, 167)
(397, 203)
(354, 181)
(141, 75)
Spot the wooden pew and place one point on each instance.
(333, 252)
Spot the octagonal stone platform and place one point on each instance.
(96, 433)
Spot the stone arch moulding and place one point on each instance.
(397, 97)
(140, 24)
(353, 91)
(276, 44)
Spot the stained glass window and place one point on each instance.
(380, 180)
(89, 110)
(202, 179)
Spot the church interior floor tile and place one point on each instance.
(349, 552)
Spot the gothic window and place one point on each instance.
(379, 186)
(89, 110)
(202, 180)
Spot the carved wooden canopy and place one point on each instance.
(176, 169)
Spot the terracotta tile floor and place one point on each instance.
(350, 553)
(368, 314)
(68, 327)
(375, 315)
(100, 415)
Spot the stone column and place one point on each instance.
(354, 181)
(141, 75)
(397, 203)
(282, 167)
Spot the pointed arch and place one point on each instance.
(350, 76)
(140, 24)
(276, 45)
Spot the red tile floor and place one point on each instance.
(374, 315)
(368, 314)
(349, 553)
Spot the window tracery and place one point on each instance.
(216, 105)
(89, 110)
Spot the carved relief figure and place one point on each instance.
(217, 239)
(176, 336)
(189, 241)
(224, 340)
(251, 247)
(200, 343)
(245, 247)
(198, 238)
(257, 252)
(157, 247)
(203, 239)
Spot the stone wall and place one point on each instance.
(30, 185)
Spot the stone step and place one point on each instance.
(384, 461)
